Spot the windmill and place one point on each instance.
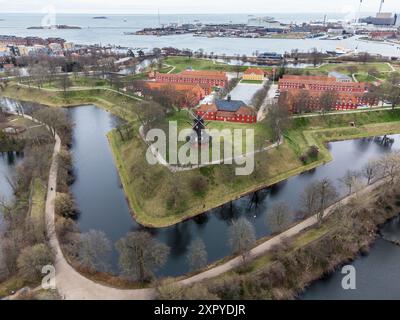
(198, 136)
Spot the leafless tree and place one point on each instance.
(93, 250)
(140, 255)
(197, 255)
(370, 170)
(301, 101)
(350, 179)
(317, 197)
(66, 83)
(278, 119)
(242, 236)
(279, 218)
(32, 260)
(328, 100)
(390, 165)
(390, 90)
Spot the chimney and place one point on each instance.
(229, 98)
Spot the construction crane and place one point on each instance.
(380, 7)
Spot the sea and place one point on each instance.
(111, 31)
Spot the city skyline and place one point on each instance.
(206, 6)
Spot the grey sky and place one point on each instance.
(196, 6)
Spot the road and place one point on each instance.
(268, 101)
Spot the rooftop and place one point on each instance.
(229, 105)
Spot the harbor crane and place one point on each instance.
(380, 7)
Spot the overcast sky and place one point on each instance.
(196, 6)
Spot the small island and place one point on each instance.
(100, 17)
(58, 26)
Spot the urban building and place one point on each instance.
(205, 79)
(227, 110)
(253, 74)
(351, 95)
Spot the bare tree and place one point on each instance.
(317, 197)
(370, 170)
(390, 90)
(328, 100)
(242, 236)
(57, 120)
(278, 119)
(350, 179)
(316, 57)
(32, 260)
(66, 83)
(140, 255)
(197, 255)
(93, 250)
(390, 165)
(301, 101)
(279, 218)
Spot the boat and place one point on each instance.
(339, 51)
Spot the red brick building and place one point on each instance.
(206, 79)
(188, 95)
(350, 94)
(228, 110)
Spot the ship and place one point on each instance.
(339, 51)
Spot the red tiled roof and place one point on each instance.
(207, 108)
(176, 86)
(214, 75)
(254, 71)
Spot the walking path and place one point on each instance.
(192, 166)
(268, 101)
(72, 285)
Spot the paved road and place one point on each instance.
(245, 91)
(268, 101)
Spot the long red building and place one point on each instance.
(351, 95)
(206, 79)
(228, 110)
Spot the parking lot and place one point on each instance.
(245, 91)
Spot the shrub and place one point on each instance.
(313, 152)
(65, 205)
(304, 158)
(198, 185)
(32, 260)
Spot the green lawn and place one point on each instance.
(361, 70)
(183, 63)
(344, 67)
(251, 81)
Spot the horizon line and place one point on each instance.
(185, 12)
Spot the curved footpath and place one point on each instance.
(72, 285)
